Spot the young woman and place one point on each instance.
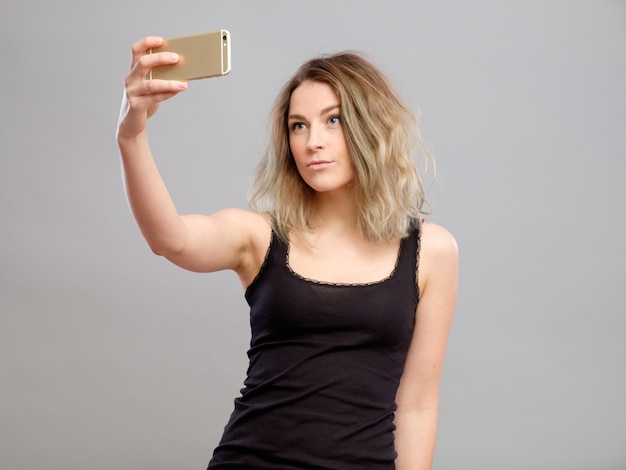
(351, 295)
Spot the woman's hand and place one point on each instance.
(142, 97)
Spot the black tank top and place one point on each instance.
(325, 363)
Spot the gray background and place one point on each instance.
(112, 358)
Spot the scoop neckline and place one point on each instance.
(300, 277)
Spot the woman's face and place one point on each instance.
(316, 137)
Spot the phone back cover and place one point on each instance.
(201, 56)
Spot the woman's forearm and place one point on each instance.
(415, 436)
(149, 199)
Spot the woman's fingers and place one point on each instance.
(142, 62)
(160, 90)
(140, 48)
(142, 93)
(147, 61)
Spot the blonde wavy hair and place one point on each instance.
(383, 137)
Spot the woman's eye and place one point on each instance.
(334, 120)
(298, 126)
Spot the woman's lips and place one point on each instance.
(319, 164)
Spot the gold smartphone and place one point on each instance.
(200, 56)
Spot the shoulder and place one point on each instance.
(437, 240)
(439, 255)
(255, 230)
(255, 227)
(242, 216)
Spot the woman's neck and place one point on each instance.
(335, 212)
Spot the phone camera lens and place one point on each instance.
(224, 37)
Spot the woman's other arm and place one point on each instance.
(418, 393)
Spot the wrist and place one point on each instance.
(130, 139)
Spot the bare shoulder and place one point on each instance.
(437, 240)
(255, 232)
(260, 229)
(251, 221)
(439, 255)
(254, 227)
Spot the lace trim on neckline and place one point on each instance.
(346, 284)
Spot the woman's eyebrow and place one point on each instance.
(322, 112)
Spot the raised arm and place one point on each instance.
(230, 239)
(418, 393)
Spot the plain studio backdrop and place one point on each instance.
(110, 357)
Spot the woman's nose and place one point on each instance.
(315, 138)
